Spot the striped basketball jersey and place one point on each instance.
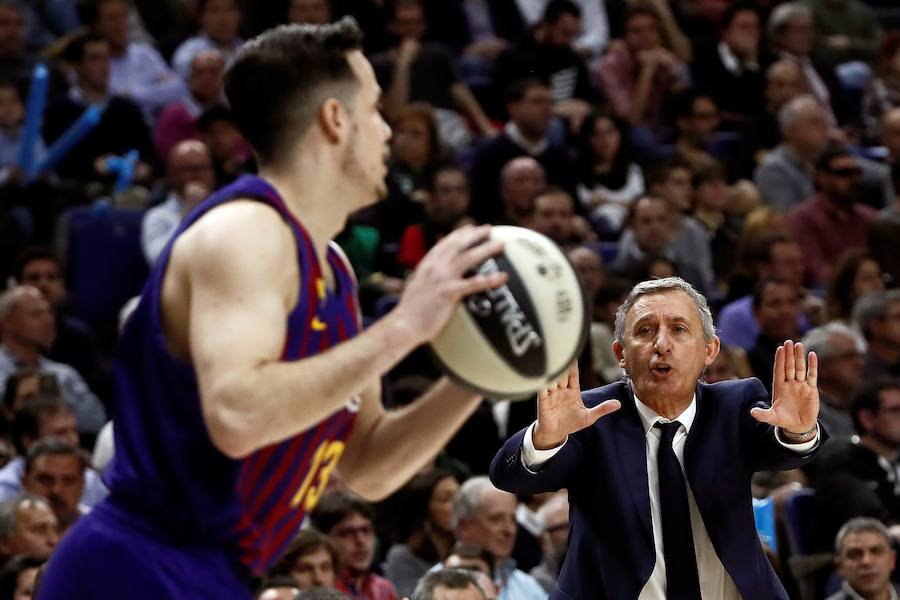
(166, 469)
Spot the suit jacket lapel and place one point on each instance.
(631, 452)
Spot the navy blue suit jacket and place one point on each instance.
(611, 553)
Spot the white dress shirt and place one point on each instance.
(715, 582)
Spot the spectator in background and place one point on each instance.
(726, 366)
(834, 220)
(219, 24)
(75, 343)
(548, 54)
(424, 528)
(592, 36)
(640, 76)
(553, 517)
(136, 70)
(554, 216)
(310, 561)
(121, 127)
(856, 476)
(485, 516)
(12, 117)
(521, 179)
(716, 254)
(882, 92)
(776, 306)
(28, 330)
(608, 180)
(348, 521)
(845, 31)
(310, 12)
(785, 175)
(784, 82)
(191, 179)
(231, 154)
(790, 30)
(671, 179)
(530, 105)
(877, 315)
(855, 275)
(55, 470)
(16, 61)
(696, 120)
(446, 209)
(413, 71)
(772, 255)
(865, 558)
(40, 418)
(178, 120)
(886, 228)
(731, 68)
(27, 526)
(446, 584)
(281, 588)
(17, 577)
(478, 562)
(841, 352)
(415, 149)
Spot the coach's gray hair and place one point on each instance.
(9, 513)
(468, 499)
(656, 286)
(818, 339)
(794, 110)
(784, 14)
(860, 525)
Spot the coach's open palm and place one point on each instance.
(561, 411)
(795, 395)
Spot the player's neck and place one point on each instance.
(313, 203)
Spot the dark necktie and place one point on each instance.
(682, 580)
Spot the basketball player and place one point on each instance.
(243, 377)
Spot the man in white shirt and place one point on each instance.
(660, 490)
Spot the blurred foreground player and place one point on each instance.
(243, 378)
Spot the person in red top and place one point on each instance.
(445, 210)
(833, 220)
(348, 520)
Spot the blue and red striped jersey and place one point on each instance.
(166, 469)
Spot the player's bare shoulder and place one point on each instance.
(239, 248)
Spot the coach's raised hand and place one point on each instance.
(795, 395)
(561, 411)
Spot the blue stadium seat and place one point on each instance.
(798, 514)
(105, 264)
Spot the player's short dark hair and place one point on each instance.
(868, 397)
(557, 8)
(337, 505)
(277, 81)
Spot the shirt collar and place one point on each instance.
(729, 60)
(851, 593)
(516, 136)
(649, 417)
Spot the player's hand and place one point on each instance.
(795, 395)
(561, 411)
(440, 282)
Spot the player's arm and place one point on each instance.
(240, 296)
(387, 448)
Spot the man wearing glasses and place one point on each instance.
(860, 475)
(832, 220)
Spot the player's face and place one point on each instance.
(367, 148)
(664, 351)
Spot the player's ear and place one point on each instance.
(333, 119)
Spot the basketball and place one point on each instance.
(509, 342)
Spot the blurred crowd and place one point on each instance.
(751, 147)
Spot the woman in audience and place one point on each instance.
(424, 528)
(883, 91)
(608, 180)
(855, 275)
(415, 148)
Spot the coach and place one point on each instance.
(660, 489)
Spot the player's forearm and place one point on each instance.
(404, 440)
(272, 401)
